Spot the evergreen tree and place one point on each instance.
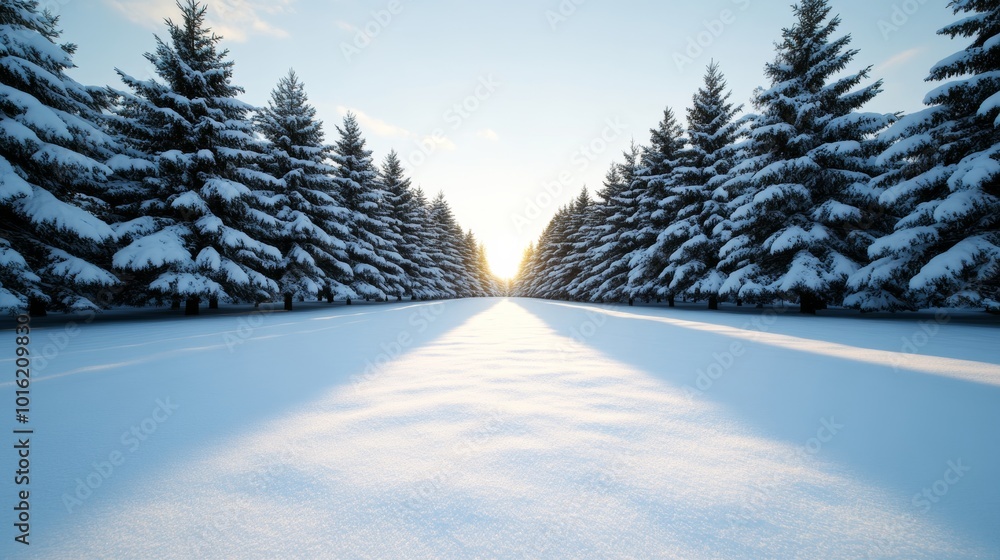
(805, 187)
(444, 237)
(601, 229)
(54, 243)
(371, 242)
(544, 259)
(659, 202)
(944, 182)
(566, 263)
(198, 222)
(408, 220)
(525, 272)
(690, 245)
(473, 279)
(609, 279)
(310, 214)
(422, 239)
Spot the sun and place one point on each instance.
(504, 257)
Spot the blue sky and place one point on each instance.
(509, 107)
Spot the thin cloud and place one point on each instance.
(898, 60)
(488, 134)
(384, 129)
(235, 20)
(345, 26)
(376, 126)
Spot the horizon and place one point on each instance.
(501, 127)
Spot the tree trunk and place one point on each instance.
(671, 301)
(213, 302)
(36, 308)
(191, 308)
(739, 303)
(176, 304)
(631, 302)
(713, 303)
(348, 301)
(399, 298)
(808, 304)
(288, 302)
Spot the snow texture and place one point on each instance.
(517, 429)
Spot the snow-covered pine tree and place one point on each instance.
(659, 202)
(422, 236)
(494, 286)
(806, 184)
(945, 183)
(408, 220)
(600, 233)
(592, 229)
(691, 244)
(54, 244)
(444, 237)
(310, 214)
(524, 272)
(371, 241)
(197, 225)
(470, 263)
(537, 283)
(608, 275)
(566, 264)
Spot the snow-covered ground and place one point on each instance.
(514, 429)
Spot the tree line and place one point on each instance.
(806, 199)
(175, 191)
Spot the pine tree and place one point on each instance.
(804, 190)
(310, 214)
(690, 245)
(566, 263)
(944, 182)
(54, 243)
(545, 258)
(601, 229)
(408, 220)
(370, 244)
(470, 264)
(659, 202)
(444, 237)
(197, 224)
(422, 239)
(608, 279)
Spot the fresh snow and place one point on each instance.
(516, 429)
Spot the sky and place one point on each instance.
(508, 107)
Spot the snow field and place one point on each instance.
(519, 429)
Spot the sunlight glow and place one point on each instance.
(504, 255)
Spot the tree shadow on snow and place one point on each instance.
(902, 429)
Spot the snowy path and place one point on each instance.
(518, 429)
